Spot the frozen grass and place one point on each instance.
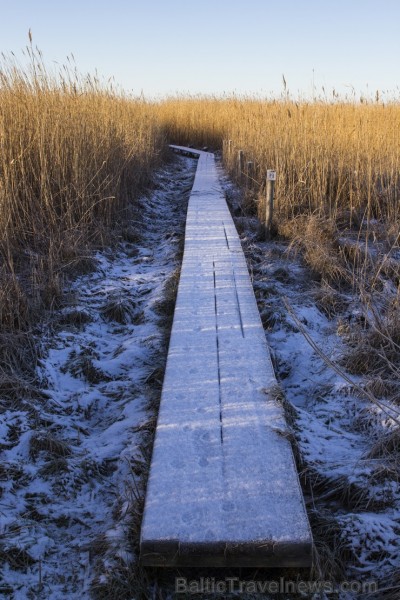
(75, 157)
(344, 423)
(75, 455)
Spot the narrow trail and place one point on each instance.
(223, 488)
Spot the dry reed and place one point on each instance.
(331, 157)
(73, 155)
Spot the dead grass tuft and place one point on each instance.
(99, 546)
(363, 359)
(387, 446)
(17, 558)
(329, 301)
(15, 310)
(156, 377)
(381, 387)
(75, 317)
(330, 552)
(46, 442)
(10, 471)
(18, 355)
(353, 496)
(123, 583)
(389, 588)
(54, 466)
(166, 306)
(130, 234)
(317, 239)
(121, 309)
(81, 364)
(376, 347)
(279, 396)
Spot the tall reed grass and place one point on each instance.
(331, 157)
(73, 154)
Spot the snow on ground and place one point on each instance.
(68, 471)
(69, 460)
(333, 436)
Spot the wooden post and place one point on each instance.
(229, 148)
(269, 204)
(250, 175)
(240, 165)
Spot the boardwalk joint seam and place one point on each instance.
(218, 358)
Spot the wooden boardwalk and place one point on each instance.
(223, 487)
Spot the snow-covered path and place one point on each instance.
(70, 466)
(223, 487)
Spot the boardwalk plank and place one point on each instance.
(223, 487)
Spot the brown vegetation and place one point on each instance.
(339, 158)
(73, 154)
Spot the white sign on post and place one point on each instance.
(271, 175)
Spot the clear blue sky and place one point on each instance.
(216, 46)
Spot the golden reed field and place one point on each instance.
(331, 157)
(75, 154)
(72, 157)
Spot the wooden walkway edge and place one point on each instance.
(223, 488)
